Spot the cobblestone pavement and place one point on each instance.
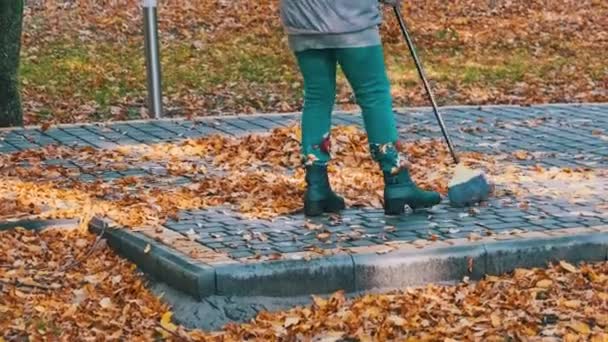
(573, 136)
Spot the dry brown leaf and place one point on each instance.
(544, 284)
(572, 304)
(291, 320)
(396, 320)
(568, 267)
(105, 303)
(521, 155)
(324, 236)
(601, 337)
(495, 320)
(312, 226)
(45, 126)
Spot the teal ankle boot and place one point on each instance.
(319, 197)
(399, 190)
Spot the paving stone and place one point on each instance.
(571, 224)
(403, 235)
(289, 249)
(359, 243)
(259, 122)
(241, 254)
(512, 219)
(110, 175)
(548, 224)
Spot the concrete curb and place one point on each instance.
(404, 266)
(161, 262)
(505, 256)
(285, 278)
(38, 224)
(412, 267)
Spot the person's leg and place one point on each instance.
(365, 70)
(318, 68)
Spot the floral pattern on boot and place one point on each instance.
(389, 157)
(319, 154)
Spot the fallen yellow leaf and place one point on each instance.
(570, 337)
(580, 327)
(165, 322)
(311, 226)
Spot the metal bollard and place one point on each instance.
(155, 90)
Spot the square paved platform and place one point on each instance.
(207, 248)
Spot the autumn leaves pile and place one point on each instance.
(46, 296)
(563, 303)
(50, 290)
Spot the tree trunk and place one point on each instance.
(11, 18)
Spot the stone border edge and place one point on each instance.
(404, 266)
(38, 224)
(157, 260)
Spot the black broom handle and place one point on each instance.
(427, 87)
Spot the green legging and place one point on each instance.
(365, 70)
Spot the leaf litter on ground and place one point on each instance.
(104, 298)
(258, 176)
(263, 180)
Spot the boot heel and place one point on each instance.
(394, 207)
(313, 208)
(333, 205)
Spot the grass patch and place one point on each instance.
(443, 67)
(241, 59)
(488, 69)
(512, 71)
(104, 73)
(247, 72)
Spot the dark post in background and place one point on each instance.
(11, 21)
